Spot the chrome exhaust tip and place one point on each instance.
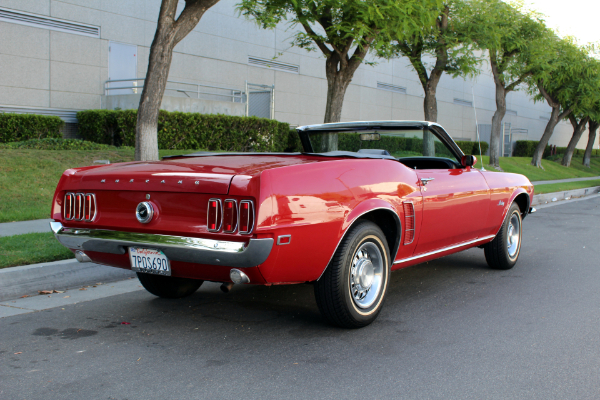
(226, 287)
(82, 257)
(238, 276)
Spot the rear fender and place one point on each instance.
(363, 211)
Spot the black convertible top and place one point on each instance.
(327, 154)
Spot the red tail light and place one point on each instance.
(69, 206)
(409, 222)
(214, 217)
(246, 220)
(90, 207)
(230, 216)
(79, 206)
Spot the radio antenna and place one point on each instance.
(477, 129)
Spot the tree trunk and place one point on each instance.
(431, 113)
(169, 32)
(337, 83)
(496, 136)
(159, 64)
(592, 129)
(578, 129)
(555, 117)
(339, 71)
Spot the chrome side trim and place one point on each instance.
(176, 248)
(456, 246)
(280, 238)
(414, 229)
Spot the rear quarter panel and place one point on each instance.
(317, 203)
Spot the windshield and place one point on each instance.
(398, 143)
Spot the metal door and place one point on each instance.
(122, 65)
(485, 133)
(260, 100)
(456, 203)
(506, 140)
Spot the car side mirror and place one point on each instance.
(468, 161)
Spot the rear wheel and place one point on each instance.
(503, 251)
(350, 293)
(169, 287)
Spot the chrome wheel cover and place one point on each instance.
(366, 275)
(513, 235)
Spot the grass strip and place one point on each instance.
(28, 178)
(552, 169)
(31, 248)
(560, 187)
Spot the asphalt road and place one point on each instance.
(450, 329)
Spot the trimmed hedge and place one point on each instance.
(20, 127)
(576, 152)
(472, 148)
(183, 131)
(352, 142)
(57, 144)
(526, 148)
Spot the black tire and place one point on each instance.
(337, 293)
(499, 253)
(169, 287)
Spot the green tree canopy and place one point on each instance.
(586, 104)
(344, 31)
(445, 47)
(515, 42)
(562, 82)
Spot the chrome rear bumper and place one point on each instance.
(176, 248)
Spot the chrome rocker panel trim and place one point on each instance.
(456, 246)
(176, 248)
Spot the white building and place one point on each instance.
(57, 55)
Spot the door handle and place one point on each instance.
(425, 181)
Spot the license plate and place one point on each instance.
(149, 261)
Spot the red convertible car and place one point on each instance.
(362, 200)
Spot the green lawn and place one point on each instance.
(31, 248)
(559, 187)
(552, 169)
(28, 178)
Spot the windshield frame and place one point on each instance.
(341, 127)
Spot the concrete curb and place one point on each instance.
(539, 199)
(22, 227)
(60, 275)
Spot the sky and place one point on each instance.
(578, 18)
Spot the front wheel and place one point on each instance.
(503, 251)
(350, 293)
(169, 287)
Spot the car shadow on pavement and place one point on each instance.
(272, 307)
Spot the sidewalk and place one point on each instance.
(591, 178)
(19, 228)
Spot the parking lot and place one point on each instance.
(450, 329)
